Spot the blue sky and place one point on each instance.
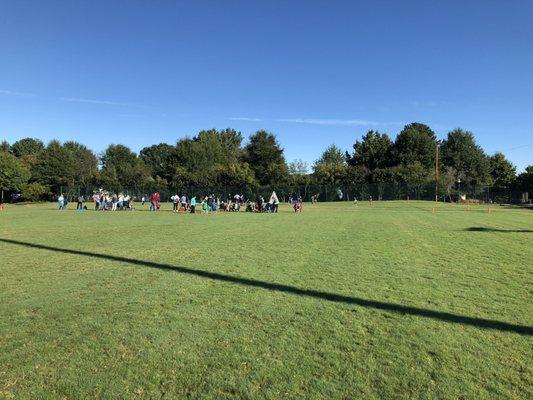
(140, 72)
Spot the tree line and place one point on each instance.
(222, 158)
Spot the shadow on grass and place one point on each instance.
(483, 229)
(337, 298)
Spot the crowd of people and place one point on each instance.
(212, 203)
(105, 201)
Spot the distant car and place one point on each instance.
(17, 197)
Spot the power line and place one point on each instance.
(516, 147)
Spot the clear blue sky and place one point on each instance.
(140, 72)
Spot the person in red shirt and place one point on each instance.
(155, 201)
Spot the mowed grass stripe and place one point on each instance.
(77, 326)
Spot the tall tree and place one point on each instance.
(502, 172)
(448, 180)
(468, 159)
(331, 167)
(54, 167)
(211, 158)
(299, 172)
(13, 174)
(27, 147)
(414, 173)
(86, 166)
(298, 167)
(5, 147)
(122, 167)
(160, 159)
(265, 157)
(231, 141)
(524, 181)
(357, 174)
(332, 156)
(373, 151)
(416, 142)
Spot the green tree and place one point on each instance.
(231, 142)
(86, 163)
(373, 151)
(524, 181)
(5, 147)
(461, 152)
(235, 174)
(299, 172)
(502, 172)
(27, 151)
(265, 157)
(332, 156)
(122, 167)
(54, 166)
(34, 191)
(331, 167)
(298, 167)
(211, 158)
(160, 159)
(357, 174)
(329, 174)
(13, 174)
(27, 147)
(415, 143)
(414, 173)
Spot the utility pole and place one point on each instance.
(437, 174)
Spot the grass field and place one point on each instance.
(341, 301)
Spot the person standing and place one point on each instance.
(96, 199)
(103, 201)
(61, 202)
(81, 200)
(193, 205)
(183, 201)
(155, 201)
(114, 202)
(274, 201)
(175, 202)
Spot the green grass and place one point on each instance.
(314, 315)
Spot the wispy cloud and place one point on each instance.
(345, 122)
(245, 119)
(104, 102)
(12, 93)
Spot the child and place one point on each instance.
(193, 205)
(81, 200)
(61, 201)
(175, 201)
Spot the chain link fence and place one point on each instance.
(323, 193)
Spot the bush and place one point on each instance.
(35, 192)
